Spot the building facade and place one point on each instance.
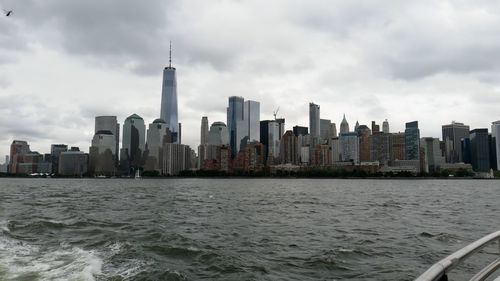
(479, 150)
(314, 120)
(412, 141)
(169, 108)
(452, 135)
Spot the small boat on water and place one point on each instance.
(439, 271)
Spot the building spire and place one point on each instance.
(170, 56)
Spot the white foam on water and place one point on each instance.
(4, 226)
(19, 259)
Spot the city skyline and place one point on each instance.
(57, 104)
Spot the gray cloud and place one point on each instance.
(372, 60)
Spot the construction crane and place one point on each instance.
(276, 112)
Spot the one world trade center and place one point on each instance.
(169, 99)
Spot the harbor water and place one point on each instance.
(238, 229)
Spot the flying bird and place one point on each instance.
(7, 13)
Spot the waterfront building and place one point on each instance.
(305, 155)
(344, 126)
(398, 150)
(270, 138)
(336, 150)
(495, 134)
(251, 116)
(364, 134)
(211, 154)
(412, 141)
(385, 127)
(289, 149)
(452, 135)
(18, 149)
(479, 150)
(305, 145)
(4, 168)
(55, 152)
(109, 123)
(234, 118)
(466, 151)
(133, 144)
(218, 134)
(252, 158)
(169, 109)
(176, 158)
(102, 153)
(432, 155)
(31, 163)
(321, 155)
(349, 144)
(157, 132)
(73, 163)
(493, 152)
(380, 148)
(314, 120)
(325, 130)
(300, 131)
(204, 131)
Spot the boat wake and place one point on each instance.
(21, 260)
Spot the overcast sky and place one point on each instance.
(64, 62)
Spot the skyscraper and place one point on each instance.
(325, 126)
(433, 158)
(109, 123)
(251, 116)
(344, 126)
(102, 153)
(385, 126)
(218, 134)
(18, 149)
(204, 131)
(495, 134)
(234, 115)
(289, 149)
(479, 150)
(452, 136)
(55, 152)
(133, 141)
(300, 131)
(349, 146)
(270, 138)
(157, 132)
(281, 126)
(398, 151)
(168, 111)
(314, 121)
(412, 141)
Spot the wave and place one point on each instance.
(20, 260)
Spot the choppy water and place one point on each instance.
(234, 229)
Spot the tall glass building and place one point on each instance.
(314, 121)
(234, 115)
(495, 134)
(109, 123)
(479, 150)
(251, 115)
(169, 112)
(133, 142)
(412, 141)
(452, 136)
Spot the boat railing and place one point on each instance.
(439, 271)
